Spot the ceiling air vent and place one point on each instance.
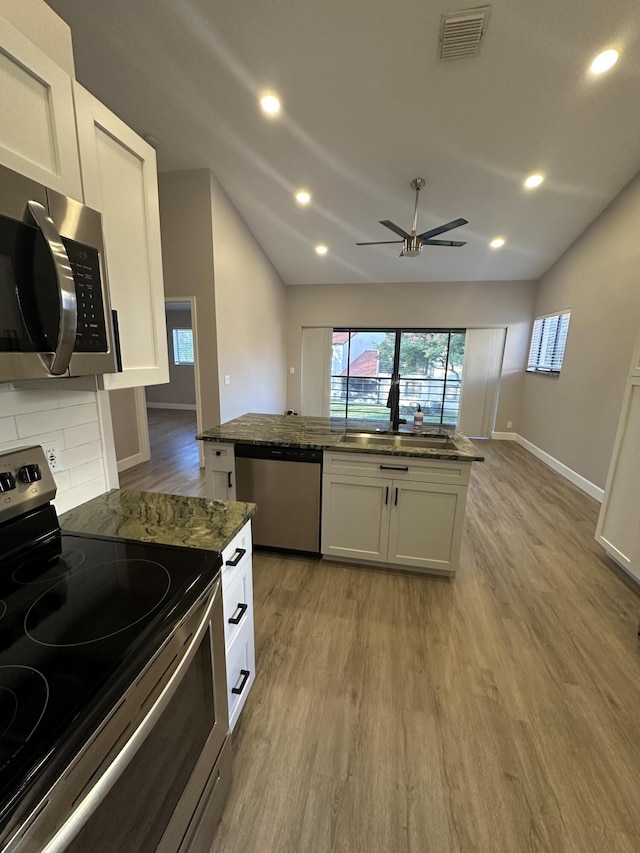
(461, 32)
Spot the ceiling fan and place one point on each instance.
(413, 243)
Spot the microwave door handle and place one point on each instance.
(58, 363)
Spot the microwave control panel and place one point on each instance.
(91, 334)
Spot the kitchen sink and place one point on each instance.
(401, 442)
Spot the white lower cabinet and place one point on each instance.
(220, 467)
(237, 603)
(398, 511)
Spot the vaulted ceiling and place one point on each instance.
(367, 106)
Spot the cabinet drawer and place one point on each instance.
(423, 470)
(236, 556)
(219, 457)
(237, 602)
(241, 671)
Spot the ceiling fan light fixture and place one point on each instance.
(303, 197)
(497, 242)
(533, 181)
(604, 61)
(321, 249)
(270, 104)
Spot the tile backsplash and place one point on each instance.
(66, 420)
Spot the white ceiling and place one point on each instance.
(367, 107)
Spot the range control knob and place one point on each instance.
(29, 473)
(7, 481)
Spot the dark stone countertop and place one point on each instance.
(329, 433)
(165, 519)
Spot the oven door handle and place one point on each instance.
(58, 363)
(101, 788)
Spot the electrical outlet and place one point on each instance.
(227, 379)
(509, 424)
(52, 454)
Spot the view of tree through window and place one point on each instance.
(428, 361)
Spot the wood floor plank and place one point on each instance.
(497, 712)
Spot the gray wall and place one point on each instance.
(125, 423)
(181, 388)
(574, 418)
(208, 252)
(448, 304)
(250, 316)
(187, 255)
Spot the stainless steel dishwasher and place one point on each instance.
(285, 484)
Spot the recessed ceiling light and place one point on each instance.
(533, 181)
(321, 250)
(604, 61)
(270, 104)
(497, 243)
(303, 197)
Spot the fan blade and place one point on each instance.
(395, 228)
(443, 243)
(456, 223)
(380, 243)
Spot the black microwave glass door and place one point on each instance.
(29, 314)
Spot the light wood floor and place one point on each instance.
(497, 712)
(396, 713)
(174, 466)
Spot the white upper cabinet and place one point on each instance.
(37, 131)
(120, 180)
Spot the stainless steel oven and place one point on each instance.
(114, 729)
(55, 315)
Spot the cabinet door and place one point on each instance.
(219, 460)
(355, 517)
(38, 130)
(426, 525)
(120, 180)
(618, 529)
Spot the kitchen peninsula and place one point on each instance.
(383, 498)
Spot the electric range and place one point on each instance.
(80, 616)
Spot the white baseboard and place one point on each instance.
(190, 407)
(568, 473)
(130, 461)
(504, 436)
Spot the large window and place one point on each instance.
(547, 343)
(428, 361)
(183, 346)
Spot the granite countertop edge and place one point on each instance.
(165, 519)
(327, 434)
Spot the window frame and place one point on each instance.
(549, 357)
(175, 349)
(398, 331)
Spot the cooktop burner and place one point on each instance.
(79, 618)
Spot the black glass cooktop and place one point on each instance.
(79, 618)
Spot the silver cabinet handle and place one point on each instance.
(101, 788)
(58, 363)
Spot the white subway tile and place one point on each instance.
(34, 423)
(83, 453)
(82, 434)
(79, 495)
(75, 398)
(43, 439)
(8, 430)
(63, 481)
(21, 402)
(87, 472)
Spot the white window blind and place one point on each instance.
(547, 343)
(183, 346)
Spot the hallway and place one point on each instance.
(174, 465)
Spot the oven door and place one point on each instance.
(157, 773)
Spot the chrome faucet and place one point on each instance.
(393, 403)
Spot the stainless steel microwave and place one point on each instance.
(55, 314)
